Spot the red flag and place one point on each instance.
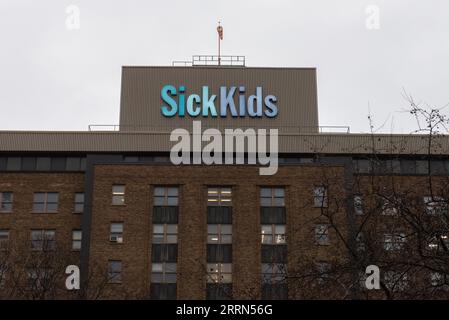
(220, 32)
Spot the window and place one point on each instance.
(76, 239)
(360, 242)
(115, 271)
(219, 196)
(79, 202)
(165, 233)
(163, 272)
(272, 197)
(438, 242)
(118, 195)
(219, 233)
(116, 232)
(394, 241)
(323, 270)
(73, 164)
(39, 278)
(4, 239)
(166, 196)
(273, 234)
(43, 163)
(322, 234)
(388, 208)
(6, 201)
(435, 205)
(439, 281)
(358, 204)
(320, 197)
(43, 240)
(396, 281)
(45, 202)
(2, 277)
(274, 273)
(13, 164)
(219, 273)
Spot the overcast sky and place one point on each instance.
(55, 78)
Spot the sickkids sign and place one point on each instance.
(256, 105)
(234, 146)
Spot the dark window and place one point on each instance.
(130, 159)
(83, 164)
(73, 164)
(272, 215)
(220, 291)
(4, 240)
(13, 164)
(437, 167)
(6, 200)
(115, 271)
(274, 254)
(164, 252)
(165, 215)
(422, 166)
(274, 273)
(58, 164)
(28, 164)
(43, 164)
(219, 215)
(163, 291)
(277, 291)
(45, 202)
(219, 253)
(3, 161)
(408, 167)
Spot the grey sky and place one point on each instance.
(52, 78)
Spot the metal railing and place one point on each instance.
(212, 60)
(167, 129)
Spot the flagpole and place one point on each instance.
(219, 43)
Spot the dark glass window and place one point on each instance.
(43, 164)
(13, 164)
(58, 164)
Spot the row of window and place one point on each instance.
(47, 202)
(395, 166)
(43, 202)
(42, 239)
(42, 163)
(401, 166)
